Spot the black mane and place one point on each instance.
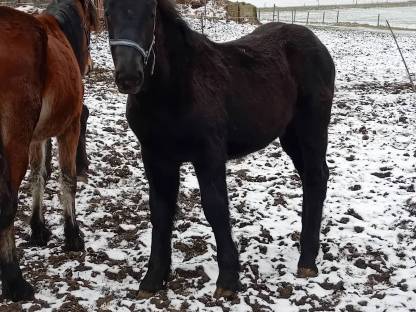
(170, 15)
(67, 15)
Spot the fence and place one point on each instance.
(331, 17)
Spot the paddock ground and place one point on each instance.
(367, 260)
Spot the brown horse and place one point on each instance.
(41, 96)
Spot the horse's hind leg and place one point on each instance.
(312, 132)
(38, 154)
(67, 143)
(13, 166)
(290, 144)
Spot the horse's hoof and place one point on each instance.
(307, 272)
(74, 243)
(225, 293)
(144, 294)
(18, 290)
(40, 236)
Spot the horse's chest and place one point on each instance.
(162, 130)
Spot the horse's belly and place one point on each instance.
(239, 144)
(253, 128)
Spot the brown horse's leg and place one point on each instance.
(163, 178)
(38, 154)
(13, 170)
(211, 173)
(67, 143)
(82, 158)
(312, 130)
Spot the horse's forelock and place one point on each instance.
(90, 12)
(92, 15)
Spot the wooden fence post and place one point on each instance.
(378, 20)
(307, 19)
(338, 17)
(323, 18)
(274, 11)
(401, 54)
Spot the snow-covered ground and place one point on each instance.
(367, 260)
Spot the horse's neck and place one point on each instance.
(51, 26)
(65, 30)
(175, 47)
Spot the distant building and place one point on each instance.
(241, 12)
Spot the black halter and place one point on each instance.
(145, 53)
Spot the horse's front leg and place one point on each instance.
(211, 174)
(163, 178)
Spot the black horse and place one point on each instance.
(193, 100)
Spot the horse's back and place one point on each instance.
(22, 52)
(274, 68)
(297, 43)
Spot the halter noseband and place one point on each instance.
(132, 44)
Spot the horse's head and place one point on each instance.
(131, 28)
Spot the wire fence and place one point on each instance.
(363, 17)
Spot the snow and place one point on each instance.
(367, 260)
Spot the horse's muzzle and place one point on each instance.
(129, 67)
(129, 84)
